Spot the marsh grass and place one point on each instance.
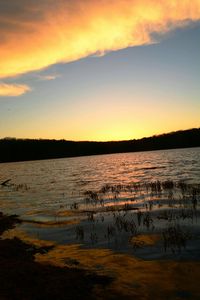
(162, 207)
(79, 230)
(122, 211)
(175, 238)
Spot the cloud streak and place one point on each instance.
(13, 90)
(47, 32)
(48, 77)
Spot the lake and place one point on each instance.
(60, 191)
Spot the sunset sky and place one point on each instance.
(98, 69)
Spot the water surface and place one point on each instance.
(57, 183)
(62, 200)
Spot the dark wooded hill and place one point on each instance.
(12, 149)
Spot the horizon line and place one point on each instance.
(95, 141)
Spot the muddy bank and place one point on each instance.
(22, 277)
(34, 269)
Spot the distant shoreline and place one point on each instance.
(85, 155)
(15, 150)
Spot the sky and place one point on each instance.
(98, 69)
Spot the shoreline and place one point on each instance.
(96, 154)
(30, 271)
(22, 277)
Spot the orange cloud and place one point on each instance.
(35, 34)
(13, 90)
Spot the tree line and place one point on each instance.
(12, 149)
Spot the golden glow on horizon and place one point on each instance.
(65, 31)
(118, 126)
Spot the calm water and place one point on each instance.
(50, 185)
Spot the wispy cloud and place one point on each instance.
(45, 32)
(48, 77)
(13, 90)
